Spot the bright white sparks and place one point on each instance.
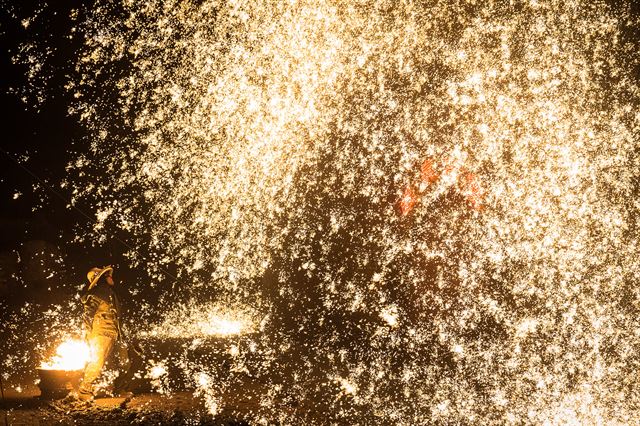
(436, 199)
(203, 321)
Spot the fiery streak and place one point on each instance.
(203, 321)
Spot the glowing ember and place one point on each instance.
(348, 388)
(407, 201)
(71, 355)
(390, 315)
(157, 371)
(220, 326)
(203, 321)
(158, 374)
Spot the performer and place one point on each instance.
(101, 320)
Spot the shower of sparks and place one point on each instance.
(194, 321)
(436, 200)
(158, 375)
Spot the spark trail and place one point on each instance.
(258, 139)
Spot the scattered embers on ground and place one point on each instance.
(147, 409)
(239, 405)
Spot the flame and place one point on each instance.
(72, 354)
(453, 175)
(427, 173)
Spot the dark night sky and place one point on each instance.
(41, 131)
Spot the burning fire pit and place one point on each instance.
(58, 383)
(64, 371)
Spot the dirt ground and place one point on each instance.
(240, 402)
(178, 408)
(144, 409)
(243, 405)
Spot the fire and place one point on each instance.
(452, 175)
(427, 173)
(72, 354)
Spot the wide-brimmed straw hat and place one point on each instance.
(95, 273)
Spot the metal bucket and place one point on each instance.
(58, 383)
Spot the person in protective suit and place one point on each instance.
(101, 321)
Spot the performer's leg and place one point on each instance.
(100, 348)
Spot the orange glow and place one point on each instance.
(408, 201)
(473, 191)
(71, 355)
(452, 175)
(428, 174)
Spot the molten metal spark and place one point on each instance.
(191, 321)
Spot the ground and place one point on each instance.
(243, 404)
(144, 409)
(276, 396)
(178, 408)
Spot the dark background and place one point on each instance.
(40, 259)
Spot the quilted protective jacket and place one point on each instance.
(101, 316)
